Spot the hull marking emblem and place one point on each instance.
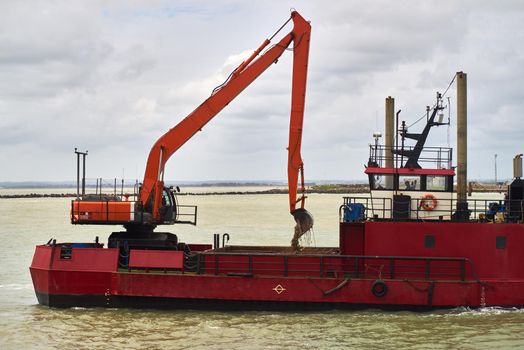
(279, 289)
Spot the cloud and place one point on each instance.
(113, 77)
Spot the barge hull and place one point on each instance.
(143, 290)
(136, 302)
(236, 277)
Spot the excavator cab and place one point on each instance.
(168, 210)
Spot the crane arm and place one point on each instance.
(243, 76)
(298, 99)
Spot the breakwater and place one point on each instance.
(474, 187)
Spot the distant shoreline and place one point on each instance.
(314, 189)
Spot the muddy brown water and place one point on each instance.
(249, 219)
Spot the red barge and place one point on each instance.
(411, 243)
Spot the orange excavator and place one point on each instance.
(156, 204)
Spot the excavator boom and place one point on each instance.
(151, 191)
(157, 205)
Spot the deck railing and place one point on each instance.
(480, 209)
(117, 211)
(335, 266)
(430, 157)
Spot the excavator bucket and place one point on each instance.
(304, 221)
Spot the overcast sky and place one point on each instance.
(112, 77)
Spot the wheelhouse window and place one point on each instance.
(436, 183)
(382, 182)
(409, 183)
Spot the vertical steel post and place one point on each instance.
(77, 174)
(462, 148)
(389, 136)
(78, 154)
(495, 168)
(389, 130)
(84, 173)
(396, 137)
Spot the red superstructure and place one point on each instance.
(411, 243)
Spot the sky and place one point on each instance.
(112, 77)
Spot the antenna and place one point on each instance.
(449, 121)
(376, 136)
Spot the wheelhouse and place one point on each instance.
(410, 193)
(409, 182)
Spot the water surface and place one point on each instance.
(249, 219)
